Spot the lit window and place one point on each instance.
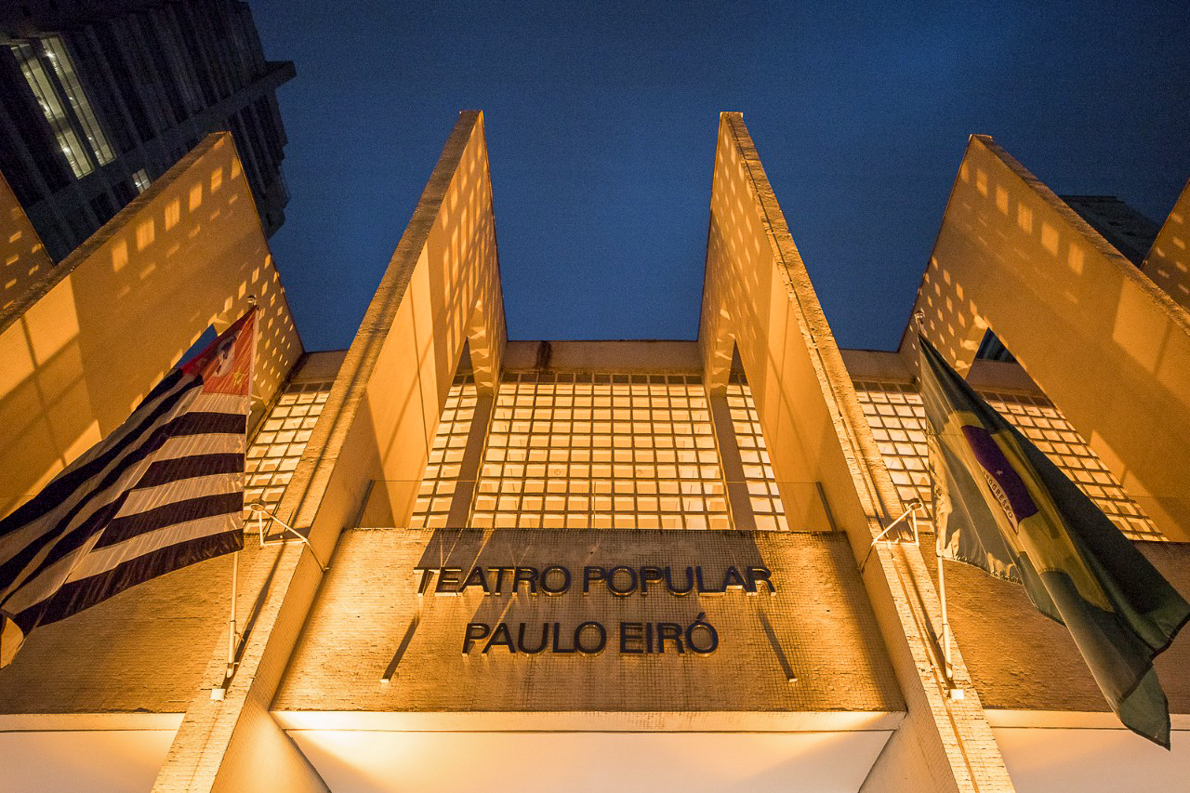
(55, 114)
(59, 58)
(141, 180)
(68, 133)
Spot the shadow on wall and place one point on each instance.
(23, 259)
(81, 348)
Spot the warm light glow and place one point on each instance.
(632, 451)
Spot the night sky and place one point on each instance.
(601, 127)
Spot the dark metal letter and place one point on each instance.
(500, 636)
(578, 638)
(592, 574)
(477, 577)
(761, 574)
(650, 575)
(475, 632)
(669, 630)
(669, 582)
(449, 579)
(545, 640)
(611, 581)
(636, 635)
(545, 587)
(527, 575)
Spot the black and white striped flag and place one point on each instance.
(163, 491)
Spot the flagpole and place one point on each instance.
(919, 325)
(232, 636)
(942, 598)
(231, 633)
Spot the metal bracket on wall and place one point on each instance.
(908, 516)
(260, 512)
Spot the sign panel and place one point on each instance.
(590, 620)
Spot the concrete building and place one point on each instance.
(643, 565)
(100, 97)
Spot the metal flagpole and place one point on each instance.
(942, 598)
(919, 318)
(231, 633)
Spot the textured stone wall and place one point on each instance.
(146, 649)
(821, 627)
(1022, 660)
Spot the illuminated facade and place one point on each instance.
(575, 565)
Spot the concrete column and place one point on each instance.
(460, 505)
(758, 293)
(378, 424)
(742, 517)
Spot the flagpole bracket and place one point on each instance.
(908, 516)
(260, 512)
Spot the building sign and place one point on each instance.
(591, 636)
(590, 621)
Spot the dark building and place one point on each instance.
(1130, 232)
(97, 99)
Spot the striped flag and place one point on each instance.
(165, 490)
(1004, 507)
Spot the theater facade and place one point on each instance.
(635, 565)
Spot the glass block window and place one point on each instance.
(601, 451)
(897, 418)
(437, 487)
(758, 469)
(274, 452)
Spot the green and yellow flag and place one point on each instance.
(1004, 507)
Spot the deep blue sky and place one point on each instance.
(601, 122)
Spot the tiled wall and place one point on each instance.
(601, 451)
(282, 438)
(897, 418)
(589, 450)
(437, 487)
(758, 469)
(638, 451)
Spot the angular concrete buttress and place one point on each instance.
(1108, 346)
(84, 341)
(441, 288)
(1168, 261)
(758, 296)
(23, 259)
